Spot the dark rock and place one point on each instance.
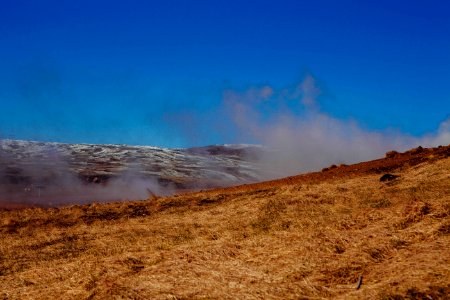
(329, 168)
(388, 177)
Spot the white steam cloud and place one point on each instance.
(302, 138)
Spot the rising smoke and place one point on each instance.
(303, 138)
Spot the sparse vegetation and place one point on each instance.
(308, 237)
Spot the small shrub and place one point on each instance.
(444, 229)
(398, 243)
(285, 225)
(377, 254)
(134, 264)
(377, 203)
(182, 236)
(382, 203)
(391, 154)
(339, 249)
(268, 214)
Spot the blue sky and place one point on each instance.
(155, 72)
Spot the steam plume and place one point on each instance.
(302, 138)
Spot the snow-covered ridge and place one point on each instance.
(28, 163)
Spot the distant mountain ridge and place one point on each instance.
(28, 168)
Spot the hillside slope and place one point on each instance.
(313, 236)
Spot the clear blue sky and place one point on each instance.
(120, 71)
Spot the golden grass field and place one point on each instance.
(307, 237)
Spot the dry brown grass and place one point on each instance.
(298, 239)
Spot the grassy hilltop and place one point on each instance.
(311, 236)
